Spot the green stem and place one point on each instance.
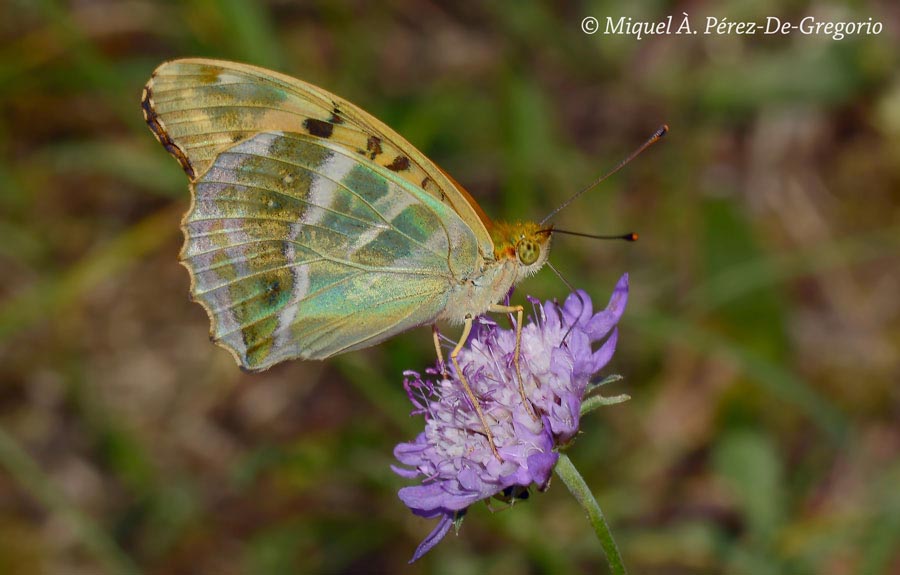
(573, 480)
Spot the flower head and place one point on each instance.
(559, 356)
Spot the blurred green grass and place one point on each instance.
(760, 346)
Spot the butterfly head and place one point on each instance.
(525, 243)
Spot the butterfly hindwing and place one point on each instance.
(297, 248)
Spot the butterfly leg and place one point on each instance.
(437, 348)
(519, 311)
(467, 329)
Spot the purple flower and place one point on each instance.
(452, 456)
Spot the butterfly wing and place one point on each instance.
(298, 245)
(199, 107)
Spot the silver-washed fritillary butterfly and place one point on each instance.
(315, 229)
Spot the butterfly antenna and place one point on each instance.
(657, 135)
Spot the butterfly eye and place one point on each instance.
(528, 252)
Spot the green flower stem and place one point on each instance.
(573, 480)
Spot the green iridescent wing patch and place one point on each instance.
(298, 249)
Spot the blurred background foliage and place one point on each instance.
(761, 345)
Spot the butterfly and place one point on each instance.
(315, 229)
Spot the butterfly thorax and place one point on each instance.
(520, 250)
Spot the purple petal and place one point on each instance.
(601, 323)
(602, 356)
(578, 308)
(425, 499)
(553, 316)
(540, 466)
(438, 533)
(405, 473)
(573, 403)
(411, 453)
(469, 480)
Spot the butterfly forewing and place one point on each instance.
(198, 108)
(298, 249)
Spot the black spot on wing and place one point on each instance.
(318, 128)
(373, 147)
(336, 116)
(429, 183)
(399, 164)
